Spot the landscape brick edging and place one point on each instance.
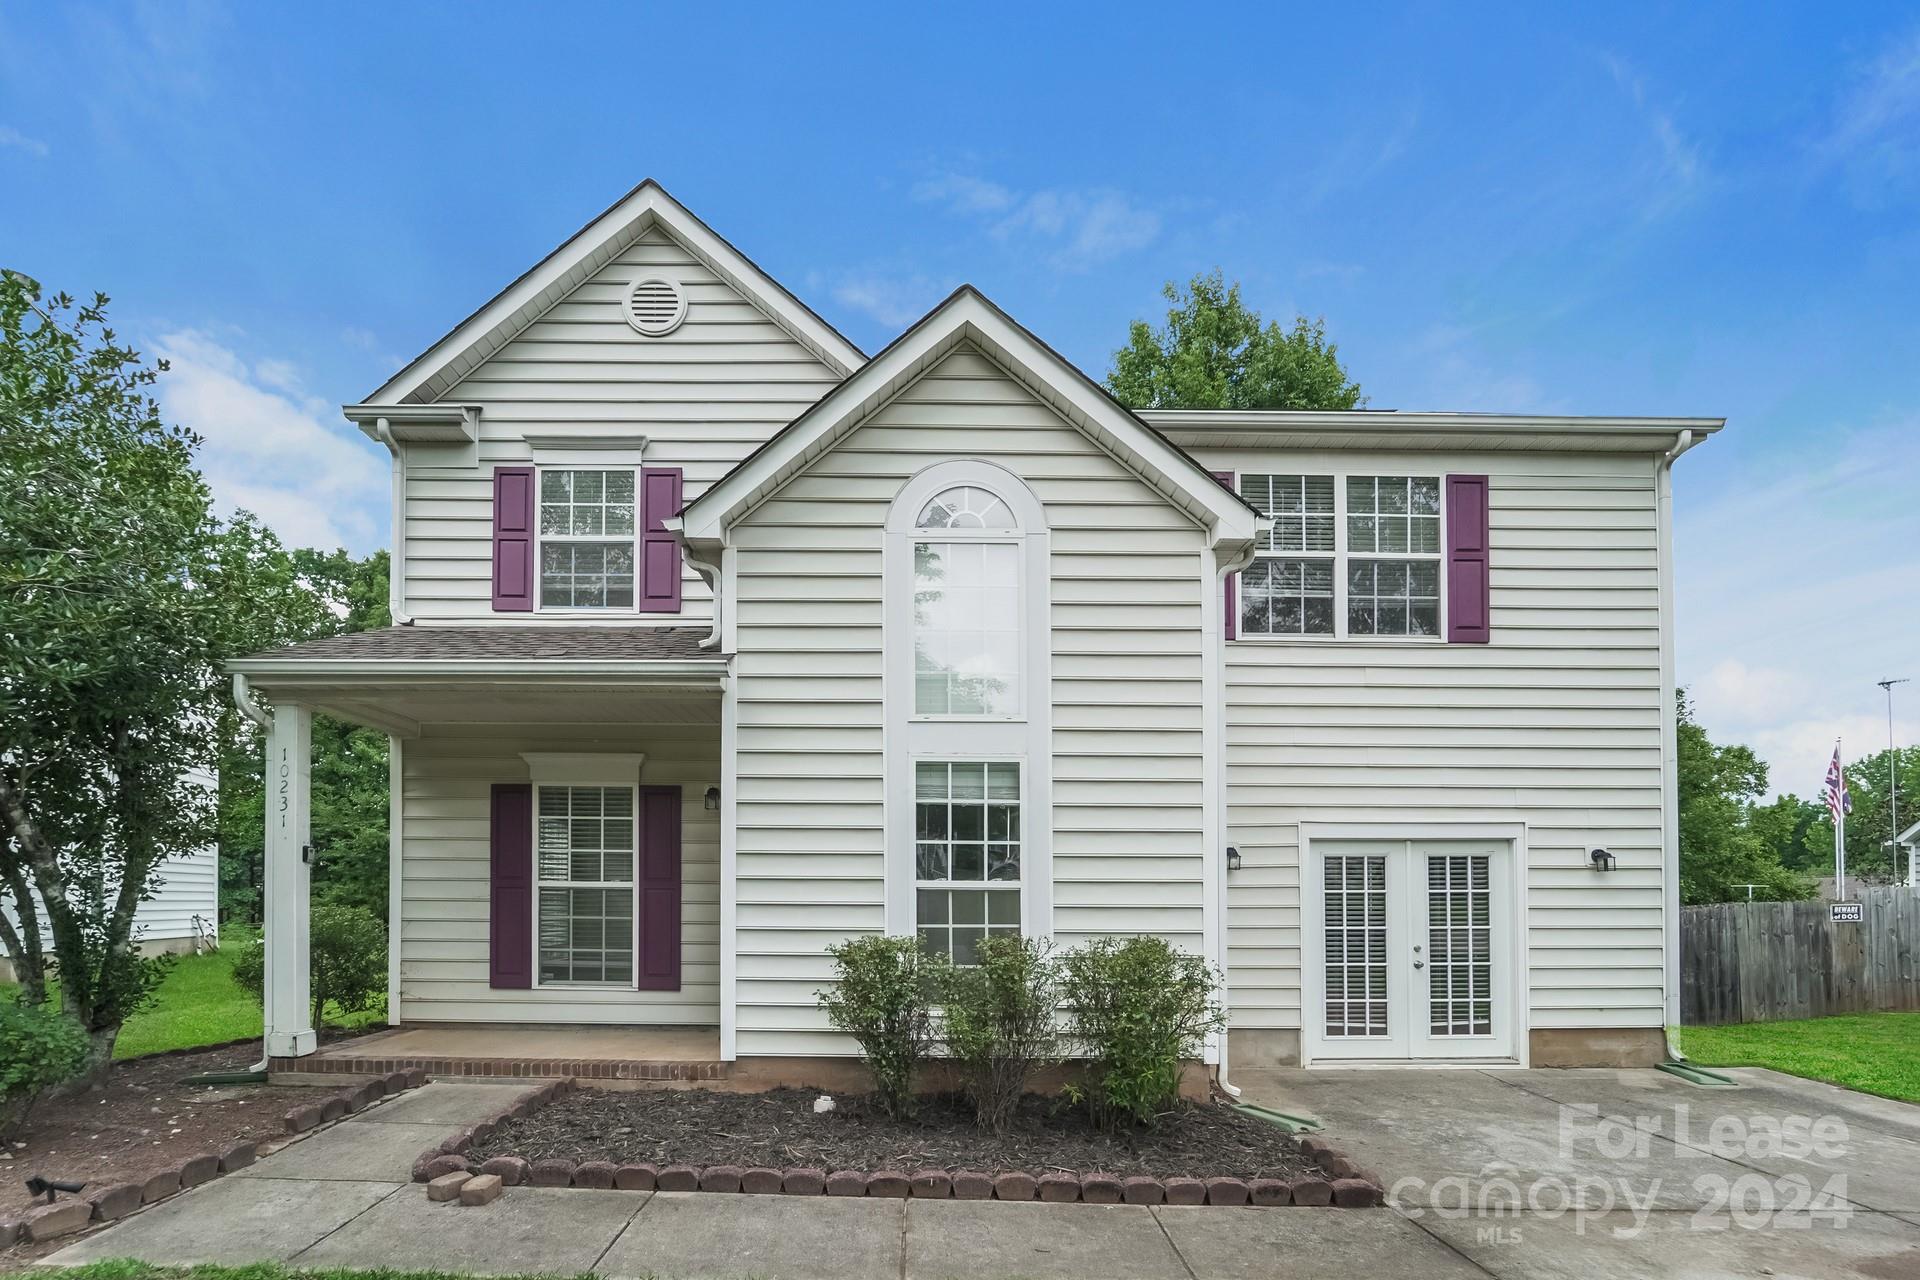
(1346, 1185)
(108, 1201)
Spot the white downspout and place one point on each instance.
(1669, 746)
(1219, 713)
(243, 699)
(396, 566)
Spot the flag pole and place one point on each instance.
(1839, 833)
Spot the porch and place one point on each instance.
(494, 1051)
(613, 735)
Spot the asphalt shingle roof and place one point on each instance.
(508, 644)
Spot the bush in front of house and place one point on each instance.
(883, 997)
(39, 1047)
(1001, 1022)
(1139, 1008)
(348, 950)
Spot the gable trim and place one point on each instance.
(968, 316)
(509, 312)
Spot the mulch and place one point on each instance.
(780, 1129)
(141, 1121)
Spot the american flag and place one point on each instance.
(1839, 799)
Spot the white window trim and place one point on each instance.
(540, 538)
(632, 784)
(1340, 555)
(1020, 885)
(1026, 738)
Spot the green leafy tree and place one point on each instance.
(1215, 353)
(303, 594)
(114, 617)
(1723, 840)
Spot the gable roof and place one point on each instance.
(436, 370)
(968, 316)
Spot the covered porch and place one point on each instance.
(554, 888)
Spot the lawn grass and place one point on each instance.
(199, 1003)
(1872, 1052)
(128, 1269)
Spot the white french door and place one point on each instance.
(1409, 950)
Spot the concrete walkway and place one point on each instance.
(342, 1198)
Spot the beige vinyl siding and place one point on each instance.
(1556, 723)
(704, 396)
(1126, 692)
(448, 777)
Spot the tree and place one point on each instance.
(304, 594)
(1723, 844)
(1214, 353)
(113, 620)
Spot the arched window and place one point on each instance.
(966, 606)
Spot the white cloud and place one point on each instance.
(1875, 133)
(1796, 592)
(1079, 228)
(1679, 166)
(894, 301)
(1461, 377)
(12, 137)
(270, 447)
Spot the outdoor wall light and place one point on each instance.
(1602, 860)
(1233, 858)
(713, 799)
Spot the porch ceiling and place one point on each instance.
(408, 709)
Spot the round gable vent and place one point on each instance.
(655, 306)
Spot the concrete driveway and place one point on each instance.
(1630, 1173)
(1671, 1181)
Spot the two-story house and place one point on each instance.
(720, 641)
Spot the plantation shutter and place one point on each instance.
(658, 967)
(1233, 579)
(512, 540)
(510, 935)
(1469, 566)
(659, 550)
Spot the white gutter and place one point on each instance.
(1219, 713)
(396, 565)
(243, 699)
(1669, 745)
(483, 668)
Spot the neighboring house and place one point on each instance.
(180, 917)
(722, 642)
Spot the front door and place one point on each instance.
(1412, 952)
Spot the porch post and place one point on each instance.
(289, 778)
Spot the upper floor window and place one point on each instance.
(966, 606)
(586, 538)
(1358, 558)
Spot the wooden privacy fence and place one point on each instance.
(1770, 961)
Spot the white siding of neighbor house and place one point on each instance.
(183, 887)
(1126, 692)
(705, 396)
(447, 788)
(1556, 723)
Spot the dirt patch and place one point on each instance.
(780, 1129)
(143, 1120)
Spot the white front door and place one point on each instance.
(1410, 950)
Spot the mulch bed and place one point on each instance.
(779, 1129)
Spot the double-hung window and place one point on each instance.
(966, 853)
(584, 865)
(1348, 556)
(586, 538)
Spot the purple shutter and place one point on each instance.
(510, 937)
(659, 550)
(512, 539)
(1233, 579)
(1469, 572)
(658, 886)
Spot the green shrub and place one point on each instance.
(39, 1048)
(1000, 1022)
(884, 999)
(1139, 1008)
(348, 946)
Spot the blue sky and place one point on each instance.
(1666, 210)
